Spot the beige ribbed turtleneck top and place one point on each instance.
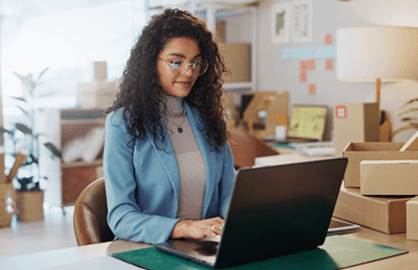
(189, 160)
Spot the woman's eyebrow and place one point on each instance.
(183, 56)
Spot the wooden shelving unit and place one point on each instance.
(60, 126)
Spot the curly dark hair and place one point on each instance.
(140, 94)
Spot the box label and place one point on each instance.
(341, 112)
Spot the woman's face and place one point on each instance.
(181, 49)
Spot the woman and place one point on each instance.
(167, 163)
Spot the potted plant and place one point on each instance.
(25, 139)
(407, 117)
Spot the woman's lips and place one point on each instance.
(185, 83)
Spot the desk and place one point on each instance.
(68, 255)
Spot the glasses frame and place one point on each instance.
(193, 66)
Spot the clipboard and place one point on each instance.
(307, 123)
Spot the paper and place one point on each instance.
(280, 14)
(302, 21)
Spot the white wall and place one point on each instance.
(277, 74)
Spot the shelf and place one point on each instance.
(238, 85)
(82, 121)
(95, 163)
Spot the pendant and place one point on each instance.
(180, 130)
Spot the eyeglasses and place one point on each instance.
(177, 67)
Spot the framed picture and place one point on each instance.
(302, 21)
(280, 22)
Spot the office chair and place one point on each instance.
(90, 213)
(246, 147)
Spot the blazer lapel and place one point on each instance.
(208, 157)
(168, 160)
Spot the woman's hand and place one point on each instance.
(198, 229)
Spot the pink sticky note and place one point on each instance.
(302, 76)
(329, 64)
(312, 89)
(328, 39)
(310, 64)
(303, 64)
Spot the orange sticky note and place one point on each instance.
(328, 39)
(302, 76)
(312, 89)
(329, 64)
(310, 64)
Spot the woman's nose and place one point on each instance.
(188, 71)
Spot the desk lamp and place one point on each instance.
(377, 54)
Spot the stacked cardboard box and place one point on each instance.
(355, 122)
(99, 93)
(379, 181)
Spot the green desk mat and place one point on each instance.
(337, 252)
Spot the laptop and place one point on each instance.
(274, 211)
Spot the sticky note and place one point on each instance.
(310, 64)
(329, 64)
(303, 65)
(328, 39)
(312, 89)
(302, 76)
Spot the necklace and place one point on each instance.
(176, 115)
(179, 128)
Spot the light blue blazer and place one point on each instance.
(142, 182)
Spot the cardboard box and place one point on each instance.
(389, 177)
(355, 122)
(97, 94)
(99, 71)
(237, 58)
(411, 144)
(274, 104)
(385, 214)
(357, 152)
(412, 219)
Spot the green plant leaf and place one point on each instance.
(54, 150)
(23, 110)
(46, 95)
(42, 73)
(28, 81)
(409, 119)
(23, 128)
(18, 98)
(408, 111)
(410, 101)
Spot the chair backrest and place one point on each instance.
(246, 147)
(90, 215)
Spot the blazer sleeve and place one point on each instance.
(227, 181)
(125, 217)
